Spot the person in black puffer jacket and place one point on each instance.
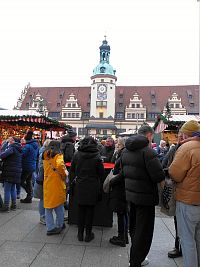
(67, 145)
(142, 171)
(87, 168)
(117, 198)
(11, 172)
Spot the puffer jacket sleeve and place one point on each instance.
(153, 166)
(7, 153)
(180, 165)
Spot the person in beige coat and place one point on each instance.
(185, 171)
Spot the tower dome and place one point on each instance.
(104, 67)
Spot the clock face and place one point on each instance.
(102, 92)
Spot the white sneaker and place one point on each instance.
(145, 262)
(42, 220)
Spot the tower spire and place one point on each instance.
(104, 51)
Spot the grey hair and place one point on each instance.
(121, 141)
(145, 129)
(46, 143)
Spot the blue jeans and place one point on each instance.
(18, 189)
(59, 211)
(41, 208)
(188, 220)
(9, 191)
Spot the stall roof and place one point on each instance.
(185, 118)
(16, 112)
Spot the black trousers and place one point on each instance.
(141, 227)
(85, 217)
(122, 220)
(26, 183)
(177, 239)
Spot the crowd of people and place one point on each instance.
(139, 171)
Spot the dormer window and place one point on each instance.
(58, 104)
(73, 105)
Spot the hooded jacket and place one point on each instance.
(12, 163)
(88, 169)
(142, 171)
(30, 155)
(67, 148)
(54, 186)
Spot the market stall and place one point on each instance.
(167, 128)
(17, 122)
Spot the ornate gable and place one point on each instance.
(135, 110)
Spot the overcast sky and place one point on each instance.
(56, 42)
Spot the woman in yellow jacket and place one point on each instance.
(54, 187)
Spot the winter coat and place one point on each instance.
(185, 170)
(107, 153)
(142, 171)
(87, 168)
(30, 155)
(67, 148)
(117, 194)
(40, 176)
(54, 186)
(12, 163)
(161, 153)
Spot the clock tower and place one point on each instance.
(103, 86)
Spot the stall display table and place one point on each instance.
(103, 215)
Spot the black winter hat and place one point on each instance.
(71, 133)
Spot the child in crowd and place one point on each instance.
(54, 187)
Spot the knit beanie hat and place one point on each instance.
(29, 135)
(190, 127)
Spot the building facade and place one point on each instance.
(105, 108)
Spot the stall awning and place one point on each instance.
(101, 126)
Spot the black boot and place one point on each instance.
(126, 238)
(89, 235)
(118, 240)
(26, 200)
(13, 206)
(175, 253)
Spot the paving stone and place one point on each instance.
(104, 257)
(7, 216)
(179, 261)
(60, 256)
(71, 237)
(39, 235)
(19, 226)
(158, 258)
(18, 254)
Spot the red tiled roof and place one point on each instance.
(162, 93)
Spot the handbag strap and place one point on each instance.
(55, 170)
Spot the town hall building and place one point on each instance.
(105, 108)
